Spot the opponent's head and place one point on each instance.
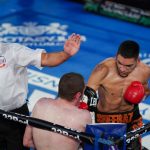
(127, 57)
(71, 86)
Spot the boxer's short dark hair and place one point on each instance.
(70, 84)
(129, 49)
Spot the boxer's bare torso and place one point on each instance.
(111, 86)
(62, 113)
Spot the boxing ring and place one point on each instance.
(48, 28)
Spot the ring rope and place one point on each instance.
(81, 136)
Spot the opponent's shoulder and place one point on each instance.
(105, 65)
(44, 101)
(86, 116)
(41, 105)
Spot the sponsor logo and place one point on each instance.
(16, 118)
(69, 133)
(33, 34)
(136, 133)
(43, 80)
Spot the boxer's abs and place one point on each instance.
(113, 105)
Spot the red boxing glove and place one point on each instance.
(134, 93)
(83, 105)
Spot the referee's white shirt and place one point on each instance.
(14, 59)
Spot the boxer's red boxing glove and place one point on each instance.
(83, 105)
(134, 93)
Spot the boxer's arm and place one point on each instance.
(94, 82)
(28, 138)
(97, 76)
(87, 118)
(28, 135)
(71, 47)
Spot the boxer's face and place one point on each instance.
(125, 65)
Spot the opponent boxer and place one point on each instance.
(121, 84)
(63, 111)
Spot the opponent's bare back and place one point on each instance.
(63, 113)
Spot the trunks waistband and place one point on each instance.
(119, 117)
